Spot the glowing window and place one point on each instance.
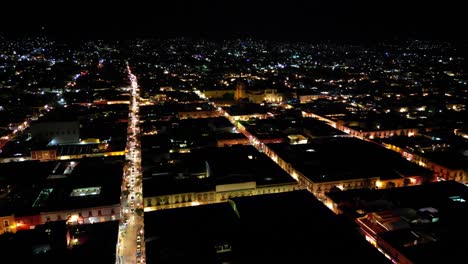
(457, 198)
(86, 191)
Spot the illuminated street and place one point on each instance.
(18, 130)
(256, 142)
(130, 247)
(295, 174)
(241, 121)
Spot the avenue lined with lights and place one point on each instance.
(130, 247)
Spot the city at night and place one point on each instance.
(234, 132)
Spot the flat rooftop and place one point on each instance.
(155, 112)
(186, 172)
(378, 122)
(246, 109)
(453, 159)
(449, 151)
(57, 115)
(27, 172)
(341, 158)
(192, 107)
(355, 118)
(227, 136)
(282, 127)
(270, 129)
(316, 128)
(278, 228)
(63, 185)
(188, 133)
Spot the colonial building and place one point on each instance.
(221, 193)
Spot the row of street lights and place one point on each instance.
(131, 243)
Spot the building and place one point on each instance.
(414, 224)
(231, 139)
(196, 110)
(7, 223)
(297, 139)
(213, 175)
(48, 154)
(345, 163)
(240, 94)
(362, 132)
(77, 192)
(55, 242)
(307, 98)
(56, 132)
(446, 159)
(221, 193)
(220, 94)
(257, 96)
(277, 228)
(246, 111)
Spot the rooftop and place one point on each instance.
(203, 169)
(57, 115)
(341, 158)
(278, 228)
(439, 238)
(50, 186)
(447, 151)
(48, 244)
(246, 109)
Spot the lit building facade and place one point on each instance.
(198, 114)
(7, 224)
(440, 172)
(365, 134)
(231, 142)
(303, 99)
(220, 194)
(72, 216)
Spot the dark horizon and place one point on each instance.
(297, 21)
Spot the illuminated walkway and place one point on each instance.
(131, 243)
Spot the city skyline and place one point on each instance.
(233, 132)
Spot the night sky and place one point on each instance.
(291, 19)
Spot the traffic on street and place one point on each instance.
(131, 243)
